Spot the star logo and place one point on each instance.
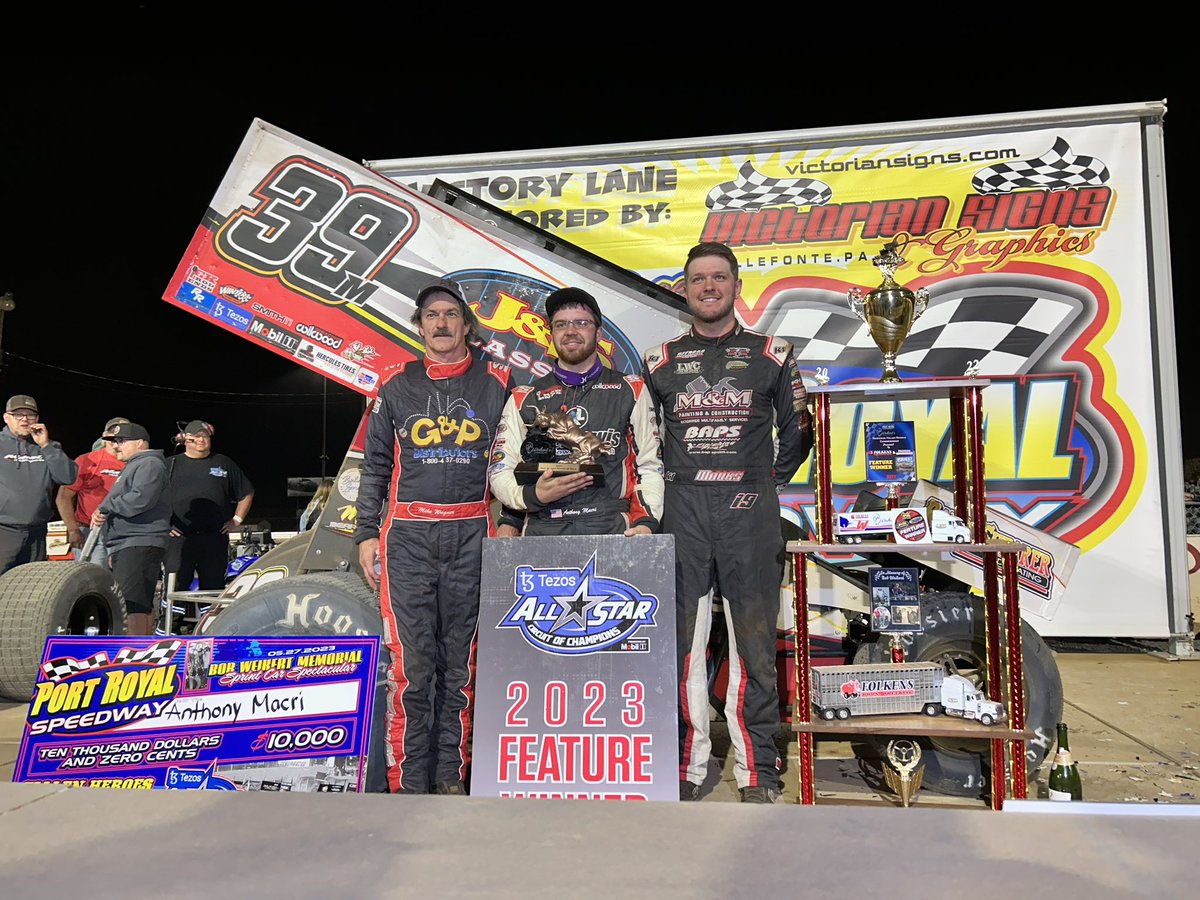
(575, 607)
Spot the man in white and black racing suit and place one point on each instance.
(722, 389)
(615, 408)
(428, 445)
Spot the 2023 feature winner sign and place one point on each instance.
(576, 693)
(219, 713)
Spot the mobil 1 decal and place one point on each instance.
(576, 692)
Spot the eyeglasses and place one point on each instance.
(24, 417)
(579, 324)
(116, 440)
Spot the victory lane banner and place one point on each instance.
(217, 713)
(576, 692)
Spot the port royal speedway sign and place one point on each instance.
(188, 713)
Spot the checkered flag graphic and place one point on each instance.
(753, 190)
(66, 666)
(1056, 170)
(987, 333)
(158, 654)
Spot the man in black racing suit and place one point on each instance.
(721, 388)
(428, 445)
(616, 408)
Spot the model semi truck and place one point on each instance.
(839, 692)
(908, 525)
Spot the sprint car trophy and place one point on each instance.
(889, 310)
(540, 450)
(905, 757)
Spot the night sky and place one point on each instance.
(112, 160)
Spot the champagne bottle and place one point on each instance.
(1064, 782)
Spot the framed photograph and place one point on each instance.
(895, 600)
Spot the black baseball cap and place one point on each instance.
(196, 426)
(571, 296)
(126, 431)
(441, 286)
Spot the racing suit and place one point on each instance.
(719, 398)
(617, 409)
(428, 443)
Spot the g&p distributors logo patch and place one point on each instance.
(572, 611)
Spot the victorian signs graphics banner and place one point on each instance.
(1035, 237)
(576, 694)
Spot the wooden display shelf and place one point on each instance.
(867, 548)
(914, 724)
(924, 389)
(1001, 621)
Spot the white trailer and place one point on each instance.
(917, 526)
(1043, 240)
(839, 692)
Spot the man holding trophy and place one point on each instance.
(578, 449)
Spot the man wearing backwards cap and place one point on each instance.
(30, 465)
(613, 406)
(211, 496)
(428, 442)
(98, 471)
(135, 518)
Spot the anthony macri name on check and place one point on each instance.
(205, 710)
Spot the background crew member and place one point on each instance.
(98, 471)
(614, 407)
(135, 518)
(30, 466)
(721, 505)
(428, 444)
(210, 497)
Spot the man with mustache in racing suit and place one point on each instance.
(428, 446)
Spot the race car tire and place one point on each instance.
(954, 635)
(43, 599)
(325, 604)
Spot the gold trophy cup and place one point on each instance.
(889, 310)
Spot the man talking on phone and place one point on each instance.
(30, 466)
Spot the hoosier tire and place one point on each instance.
(954, 636)
(325, 604)
(43, 599)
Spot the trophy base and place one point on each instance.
(528, 473)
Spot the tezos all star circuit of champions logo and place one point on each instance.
(571, 611)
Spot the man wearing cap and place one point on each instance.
(210, 497)
(98, 471)
(134, 520)
(614, 407)
(30, 466)
(423, 511)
